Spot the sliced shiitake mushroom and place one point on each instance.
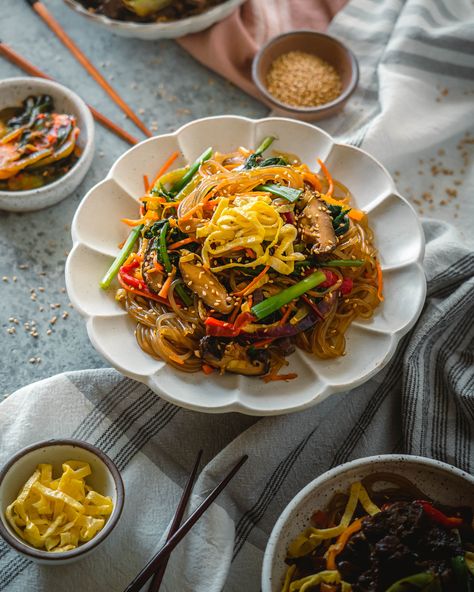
(205, 284)
(152, 278)
(315, 227)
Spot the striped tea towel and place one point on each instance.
(412, 111)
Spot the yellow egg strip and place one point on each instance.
(249, 222)
(58, 514)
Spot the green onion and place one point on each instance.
(163, 247)
(270, 305)
(288, 193)
(185, 297)
(119, 260)
(252, 160)
(343, 263)
(179, 185)
(267, 142)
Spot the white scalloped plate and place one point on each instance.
(97, 230)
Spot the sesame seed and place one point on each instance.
(302, 79)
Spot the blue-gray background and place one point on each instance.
(168, 88)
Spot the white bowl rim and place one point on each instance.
(241, 406)
(328, 476)
(21, 546)
(86, 115)
(164, 26)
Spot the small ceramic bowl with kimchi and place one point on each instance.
(46, 143)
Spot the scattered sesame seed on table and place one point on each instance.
(25, 248)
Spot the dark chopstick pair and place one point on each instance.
(157, 564)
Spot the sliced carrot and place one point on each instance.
(334, 202)
(236, 311)
(153, 199)
(146, 183)
(130, 222)
(285, 316)
(170, 205)
(164, 168)
(341, 542)
(207, 369)
(327, 174)
(190, 212)
(255, 280)
(379, 282)
(357, 215)
(275, 377)
(313, 179)
(213, 202)
(157, 268)
(166, 286)
(181, 243)
(150, 215)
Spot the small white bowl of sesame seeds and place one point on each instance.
(305, 74)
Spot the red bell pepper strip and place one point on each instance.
(131, 284)
(130, 267)
(346, 286)
(331, 279)
(131, 280)
(438, 516)
(219, 328)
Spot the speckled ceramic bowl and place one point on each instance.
(162, 30)
(12, 92)
(440, 481)
(105, 479)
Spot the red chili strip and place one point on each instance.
(438, 516)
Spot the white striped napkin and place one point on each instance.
(414, 103)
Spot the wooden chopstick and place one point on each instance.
(26, 66)
(178, 517)
(53, 24)
(182, 531)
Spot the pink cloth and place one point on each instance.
(228, 47)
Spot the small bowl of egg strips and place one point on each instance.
(59, 499)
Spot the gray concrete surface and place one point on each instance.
(156, 77)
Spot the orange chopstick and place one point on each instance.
(53, 24)
(21, 62)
